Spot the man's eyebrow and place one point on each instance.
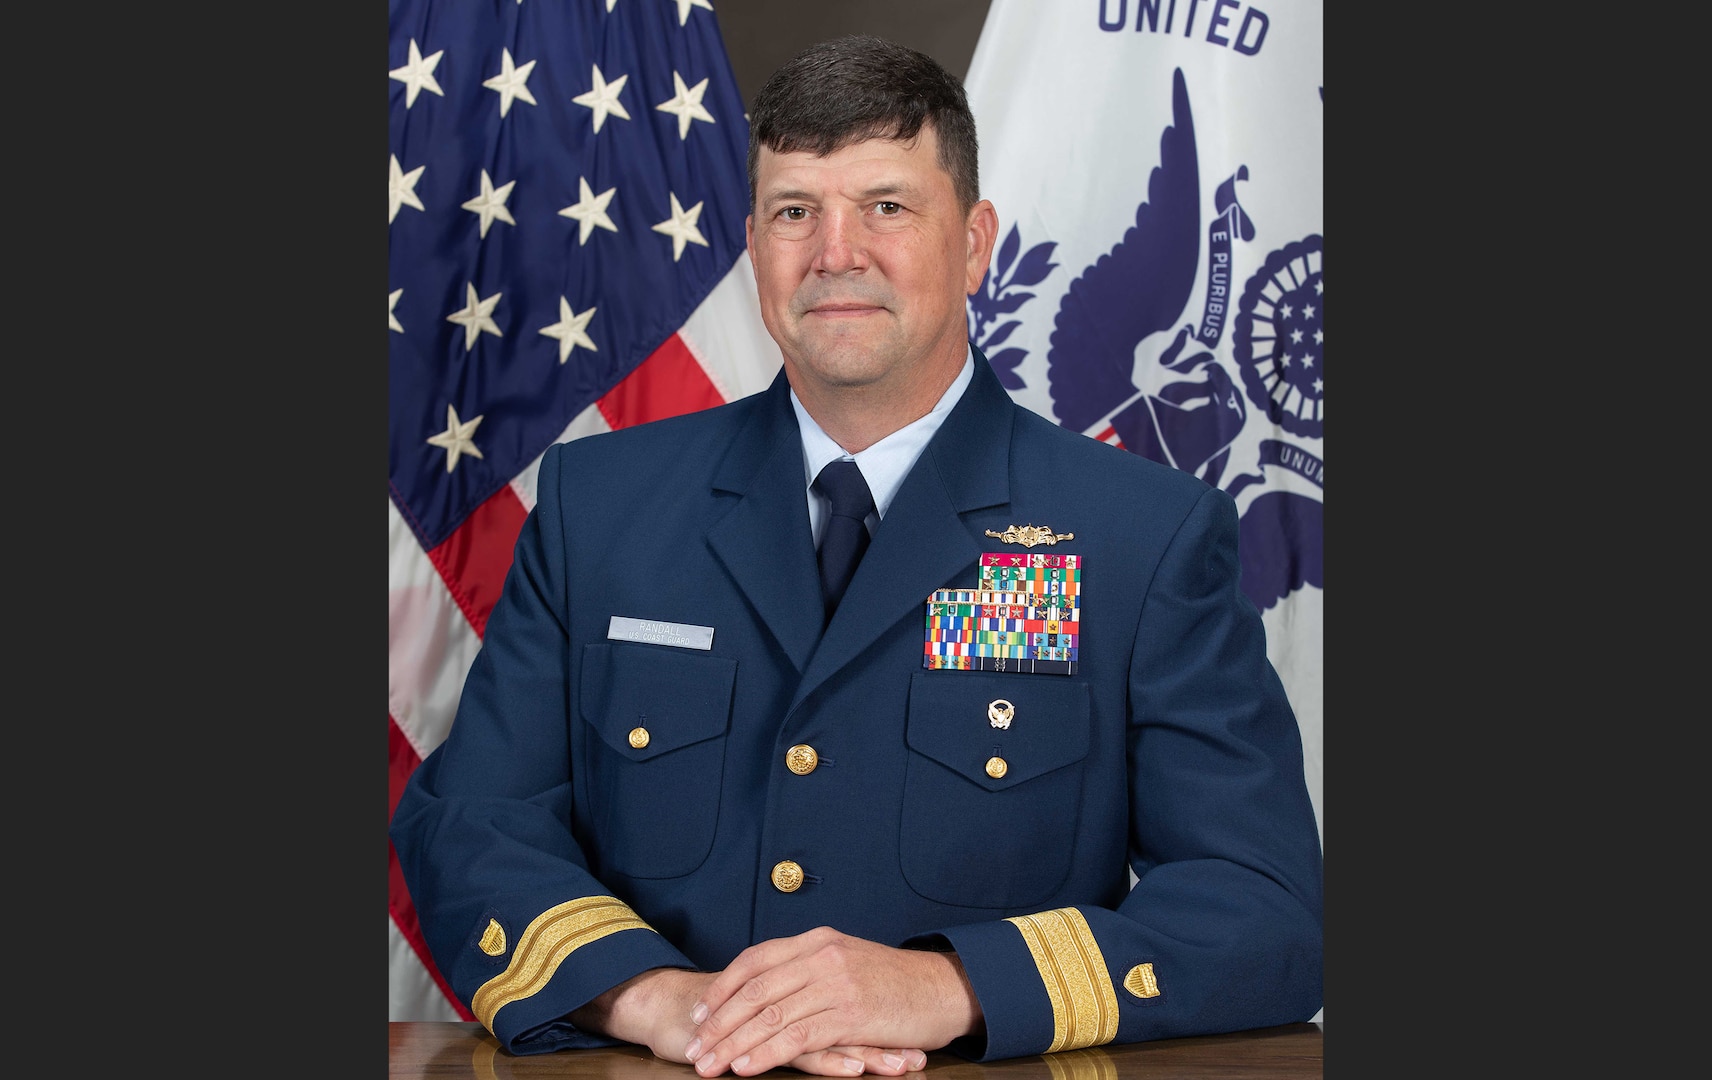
(784, 195)
(884, 190)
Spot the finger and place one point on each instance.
(882, 1061)
(756, 1047)
(771, 1038)
(830, 1062)
(755, 1013)
(839, 1061)
(749, 963)
(795, 1040)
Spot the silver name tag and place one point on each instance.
(681, 635)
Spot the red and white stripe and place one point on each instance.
(438, 601)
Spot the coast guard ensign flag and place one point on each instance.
(1158, 281)
(566, 193)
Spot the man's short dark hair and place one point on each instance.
(859, 87)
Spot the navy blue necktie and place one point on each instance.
(846, 535)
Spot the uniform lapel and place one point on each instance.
(764, 540)
(923, 544)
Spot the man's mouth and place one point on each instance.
(844, 310)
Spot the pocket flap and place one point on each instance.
(680, 698)
(948, 722)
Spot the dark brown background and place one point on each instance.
(762, 34)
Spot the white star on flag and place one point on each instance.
(456, 438)
(590, 210)
(570, 330)
(490, 203)
(476, 317)
(603, 98)
(683, 8)
(687, 105)
(418, 74)
(401, 188)
(681, 227)
(510, 82)
(392, 322)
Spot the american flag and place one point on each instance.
(566, 194)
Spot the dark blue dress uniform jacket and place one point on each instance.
(550, 858)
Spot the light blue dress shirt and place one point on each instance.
(885, 464)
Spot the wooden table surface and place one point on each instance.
(454, 1051)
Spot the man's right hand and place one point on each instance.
(653, 1010)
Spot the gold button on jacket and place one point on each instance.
(801, 759)
(787, 876)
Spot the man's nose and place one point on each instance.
(841, 248)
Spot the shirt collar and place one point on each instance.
(884, 464)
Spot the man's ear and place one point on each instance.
(749, 239)
(983, 232)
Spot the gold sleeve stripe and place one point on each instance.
(1084, 1005)
(555, 934)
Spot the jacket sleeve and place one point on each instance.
(1222, 927)
(515, 922)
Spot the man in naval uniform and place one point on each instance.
(758, 766)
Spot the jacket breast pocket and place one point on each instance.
(661, 716)
(990, 812)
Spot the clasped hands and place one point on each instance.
(822, 1002)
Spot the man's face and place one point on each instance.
(863, 260)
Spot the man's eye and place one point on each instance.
(888, 208)
(793, 213)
